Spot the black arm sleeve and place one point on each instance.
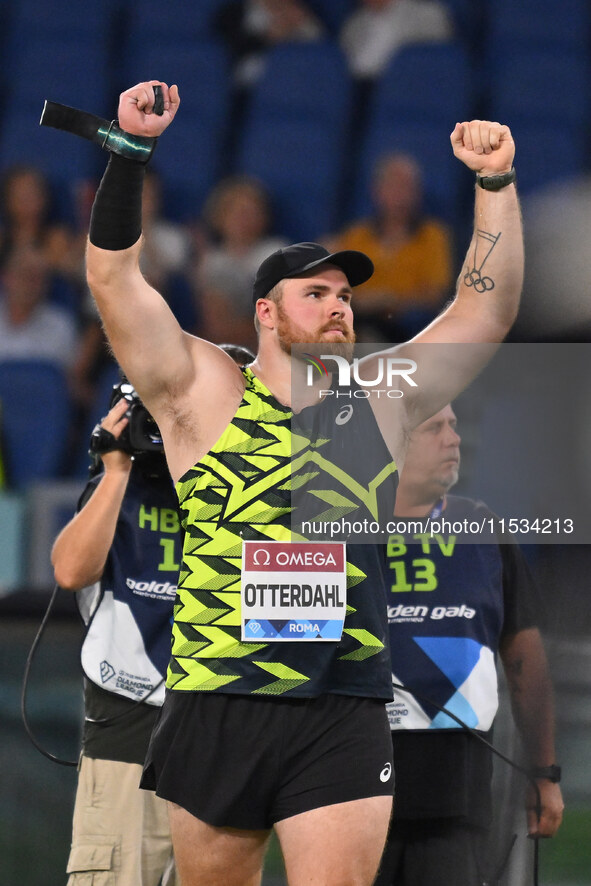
(116, 219)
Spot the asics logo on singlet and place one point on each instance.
(386, 772)
(160, 589)
(344, 415)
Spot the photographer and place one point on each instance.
(121, 554)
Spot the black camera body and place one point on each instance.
(141, 433)
(140, 436)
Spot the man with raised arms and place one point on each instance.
(257, 732)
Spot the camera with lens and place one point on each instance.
(140, 437)
(141, 433)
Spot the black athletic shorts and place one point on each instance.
(243, 762)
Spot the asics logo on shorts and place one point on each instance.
(386, 772)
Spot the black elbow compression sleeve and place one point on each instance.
(116, 218)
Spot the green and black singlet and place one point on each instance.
(242, 490)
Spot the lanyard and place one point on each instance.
(437, 508)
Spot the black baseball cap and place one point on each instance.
(301, 257)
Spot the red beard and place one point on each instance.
(289, 334)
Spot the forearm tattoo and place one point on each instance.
(483, 246)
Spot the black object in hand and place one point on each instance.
(158, 101)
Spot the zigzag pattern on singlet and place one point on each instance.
(241, 490)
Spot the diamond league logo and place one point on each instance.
(107, 671)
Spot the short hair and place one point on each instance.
(274, 295)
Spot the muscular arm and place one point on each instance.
(80, 551)
(451, 351)
(180, 378)
(489, 286)
(140, 326)
(530, 689)
(146, 338)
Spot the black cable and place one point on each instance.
(28, 664)
(504, 862)
(508, 760)
(102, 721)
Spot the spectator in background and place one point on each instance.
(443, 807)
(379, 28)
(30, 326)
(238, 214)
(412, 255)
(25, 210)
(251, 27)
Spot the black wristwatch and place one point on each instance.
(552, 773)
(496, 182)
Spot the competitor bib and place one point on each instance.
(293, 591)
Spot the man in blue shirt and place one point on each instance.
(452, 607)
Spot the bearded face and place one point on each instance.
(336, 336)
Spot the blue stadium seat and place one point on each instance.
(539, 23)
(299, 164)
(426, 83)
(194, 143)
(199, 68)
(540, 86)
(176, 20)
(55, 17)
(408, 114)
(307, 81)
(546, 153)
(467, 16)
(53, 53)
(35, 420)
(54, 67)
(333, 13)
(294, 135)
